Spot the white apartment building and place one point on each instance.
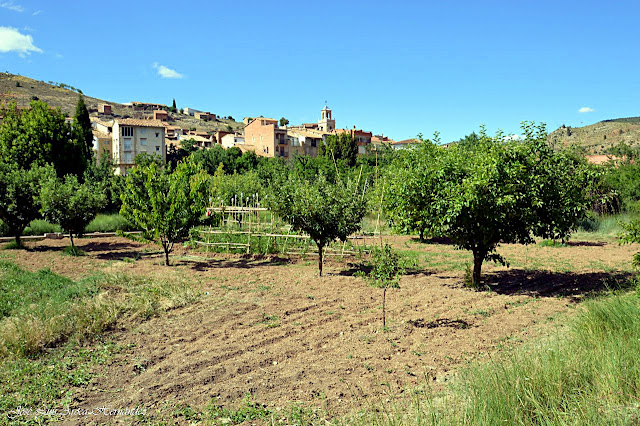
(132, 137)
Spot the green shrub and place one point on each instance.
(41, 227)
(109, 223)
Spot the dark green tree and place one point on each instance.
(70, 203)
(284, 121)
(39, 135)
(20, 195)
(173, 108)
(341, 148)
(83, 136)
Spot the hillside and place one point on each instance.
(23, 90)
(599, 137)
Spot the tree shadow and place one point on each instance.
(440, 322)
(243, 262)
(434, 240)
(356, 269)
(586, 243)
(556, 284)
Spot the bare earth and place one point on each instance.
(272, 328)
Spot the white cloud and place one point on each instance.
(11, 6)
(29, 29)
(11, 40)
(165, 72)
(37, 12)
(59, 56)
(585, 109)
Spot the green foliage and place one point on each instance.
(490, 191)
(165, 205)
(39, 135)
(283, 122)
(324, 210)
(20, 196)
(81, 130)
(173, 107)
(71, 204)
(101, 176)
(386, 268)
(341, 148)
(109, 223)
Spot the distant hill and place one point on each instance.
(599, 137)
(23, 90)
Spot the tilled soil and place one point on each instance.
(272, 328)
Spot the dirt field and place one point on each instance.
(272, 328)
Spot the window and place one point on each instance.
(127, 158)
(127, 144)
(313, 143)
(143, 141)
(157, 149)
(127, 131)
(143, 130)
(157, 134)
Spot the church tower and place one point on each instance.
(326, 123)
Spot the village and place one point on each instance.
(149, 129)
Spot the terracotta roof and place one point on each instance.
(405, 142)
(139, 123)
(101, 135)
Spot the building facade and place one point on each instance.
(132, 137)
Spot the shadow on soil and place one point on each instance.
(244, 262)
(441, 322)
(556, 284)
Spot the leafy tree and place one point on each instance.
(324, 210)
(495, 191)
(39, 135)
(165, 205)
(408, 189)
(20, 195)
(101, 176)
(71, 204)
(341, 148)
(83, 136)
(284, 121)
(386, 269)
(173, 108)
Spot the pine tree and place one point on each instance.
(174, 109)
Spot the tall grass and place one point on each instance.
(109, 223)
(586, 373)
(40, 310)
(606, 226)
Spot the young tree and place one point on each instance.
(386, 269)
(83, 136)
(165, 205)
(283, 122)
(71, 204)
(341, 148)
(174, 109)
(324, 210)
(20, 195)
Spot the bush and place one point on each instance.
(41, 227)
(109, 223)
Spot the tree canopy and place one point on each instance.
(324, 210)
(489, 192)
(165, 205)
(341, 148)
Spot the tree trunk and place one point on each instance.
(18, 242)
(478, 258)
(167, 249)
(320, 248)
(71, 238)
(384, 308)
(422, 235)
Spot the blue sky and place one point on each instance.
(394, 68)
